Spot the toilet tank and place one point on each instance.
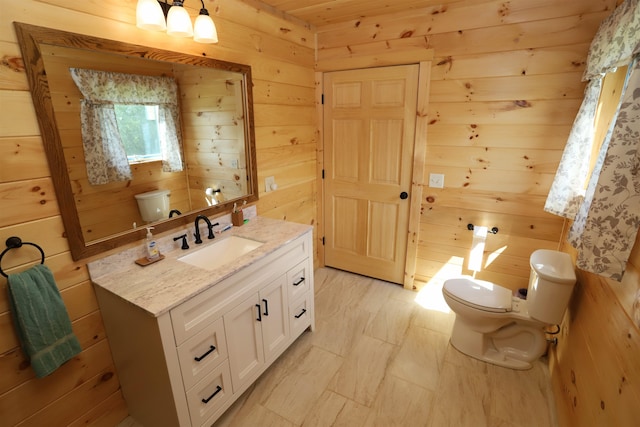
(550, 285)
(153, 205)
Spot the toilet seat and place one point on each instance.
(479, 294)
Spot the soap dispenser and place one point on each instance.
(151, 246)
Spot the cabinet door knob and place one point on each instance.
(404, 195)
(259, 319)
(299, 282)
(304, 310)
(266, 307)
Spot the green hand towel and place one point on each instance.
(41, 319)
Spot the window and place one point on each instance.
(139, 129)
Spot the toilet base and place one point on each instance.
(513, 346)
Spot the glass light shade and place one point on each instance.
(204, 30)
(149, 16)
(179, 22)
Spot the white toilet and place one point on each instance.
(496, 327)
(153, 205)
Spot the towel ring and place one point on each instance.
(14, 243)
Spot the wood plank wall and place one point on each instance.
(595, 368)
(505, 88)
(504, 92)
(86, 390)
(213, 115)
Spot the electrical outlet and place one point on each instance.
(234, 163)
(269, 183)
(436, 180)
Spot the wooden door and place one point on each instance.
(369, 128)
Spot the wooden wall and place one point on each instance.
(504, 92)
(86, 389)
(595, 368)
(505, 88)
(214, 120)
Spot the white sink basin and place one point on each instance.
(221, 252)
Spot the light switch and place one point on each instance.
(270, 184)
(436, 180)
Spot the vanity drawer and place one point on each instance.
(203, 352)
(209, 395)
(298, 280)
(300, 315)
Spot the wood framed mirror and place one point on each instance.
(217, 127)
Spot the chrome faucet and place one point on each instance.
(209, 226)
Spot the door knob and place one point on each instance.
(404, 195)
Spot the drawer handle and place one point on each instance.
(211, 349)
(299, 282)
(266, 307)
(218, 390)
(304, 310)
(259, 307)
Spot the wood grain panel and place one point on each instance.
(22, 158)
(517, 111)
(504, 159)
(457, 16)
(18, 118)
(504, 38)
(529, 87)
(529, 62)
(537, 137)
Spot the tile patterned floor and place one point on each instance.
(380, 356)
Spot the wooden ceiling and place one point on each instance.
(319, 13)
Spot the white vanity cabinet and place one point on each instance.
(258, 331)
(187, 365)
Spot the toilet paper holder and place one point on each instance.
(493, 230)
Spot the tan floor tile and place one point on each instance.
(301, 386)
(400, 403)
(391, 322)
(363, 370)
(341, 331)
(353, 415)
(520, 396)
(261, 416)
(325, 411)
(420, 358)
(462, 399)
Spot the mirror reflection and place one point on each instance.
(144, 141)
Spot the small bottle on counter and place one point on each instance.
(151, 246)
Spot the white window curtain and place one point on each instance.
(105, 157)
(607, 213)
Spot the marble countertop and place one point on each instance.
(163, 285)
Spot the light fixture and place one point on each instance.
(150, 15)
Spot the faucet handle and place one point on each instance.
(185, 246)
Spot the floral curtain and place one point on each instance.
(105, 156)
(607, 224)
(606, 212)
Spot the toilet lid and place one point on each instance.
(480, 294)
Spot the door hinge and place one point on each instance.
(322, 99)
(322, 240)
(322, 173)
